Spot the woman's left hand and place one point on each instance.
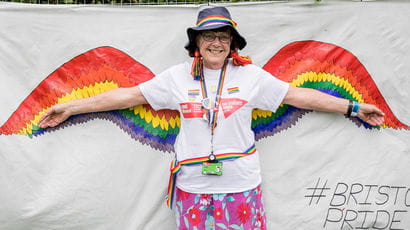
(371, 114)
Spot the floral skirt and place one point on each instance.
(242, 210)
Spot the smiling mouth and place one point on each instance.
(215, 51)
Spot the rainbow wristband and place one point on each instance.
(355, 109)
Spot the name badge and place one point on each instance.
(212, 168)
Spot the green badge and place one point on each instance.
(212, 168)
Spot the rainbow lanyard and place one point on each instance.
(206, 101)
(176, 168)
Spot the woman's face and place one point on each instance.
(214, 47)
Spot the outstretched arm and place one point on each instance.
(120, 98)
(315, 100)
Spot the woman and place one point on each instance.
(215, 95)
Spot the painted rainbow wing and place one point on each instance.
(88, 74)
(325, 67)
(312, 64)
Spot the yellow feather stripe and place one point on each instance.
(75, 94)
(327, 77)
(260, 113)
(156, 120)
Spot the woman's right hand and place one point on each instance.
(120, 98)
(54, 116)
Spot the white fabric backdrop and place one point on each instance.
(94, 176)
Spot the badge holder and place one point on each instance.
(212, 166)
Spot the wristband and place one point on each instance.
(349, 109)
(355, 109)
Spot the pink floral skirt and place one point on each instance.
(242, 210)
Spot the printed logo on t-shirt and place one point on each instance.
(230, 105)
(192, 110)
(233, 90)
(193, 94)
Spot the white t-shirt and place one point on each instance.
(245, 88)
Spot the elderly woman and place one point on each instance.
(215, 95)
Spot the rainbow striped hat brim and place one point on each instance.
(215, 21)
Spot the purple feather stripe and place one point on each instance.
(136, 132)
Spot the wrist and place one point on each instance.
(69, 108)
(353, 108)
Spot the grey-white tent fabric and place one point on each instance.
(322, 173)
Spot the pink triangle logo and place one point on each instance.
(230, 105)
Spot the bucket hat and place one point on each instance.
(214, 18)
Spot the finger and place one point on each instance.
(46, 121)
(46, 114)
(372, 121)
(380, 120)
(376, 120)
(52, 122)
(57, 119)
(379, 112)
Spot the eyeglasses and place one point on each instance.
(210, 37)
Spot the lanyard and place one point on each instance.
(176, 168)
(206, 102)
